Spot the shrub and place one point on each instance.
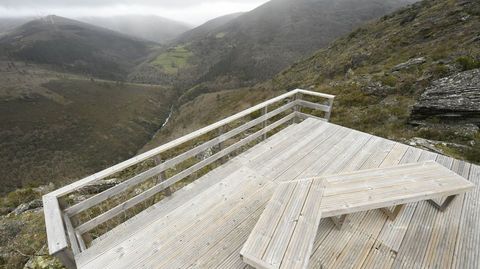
(468, 63)
(18, 197)
(440, 71)
(389, 80)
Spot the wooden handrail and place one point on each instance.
(89, 225)
(62, 235)
(83, 205)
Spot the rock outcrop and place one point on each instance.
(455, 98)
(32, 205)
(409, 63)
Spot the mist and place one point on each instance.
(188, 11)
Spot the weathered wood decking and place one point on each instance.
(205, 224)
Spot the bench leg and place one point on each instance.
(445, 203)
(338, 221)
(392, 215)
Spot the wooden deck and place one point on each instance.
(205, 224)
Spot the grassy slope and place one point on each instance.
(59, 128)
(445, 32)
(172, 60)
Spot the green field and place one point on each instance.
(173, 60)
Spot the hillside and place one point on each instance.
(258, 44)
(56, 127)
(378, 73)
(67, 45)
(148, 27)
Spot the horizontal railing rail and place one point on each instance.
(65, 232)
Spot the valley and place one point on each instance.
(57, 127)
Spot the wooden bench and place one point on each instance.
(285, 233)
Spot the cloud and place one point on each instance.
(193, 12)
(106, 3)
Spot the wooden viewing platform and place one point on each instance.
(141, 223)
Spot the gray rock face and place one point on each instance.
(452, 98)
(409, 63)
(99, 186)
(28, 206)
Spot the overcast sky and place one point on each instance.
(190, 11)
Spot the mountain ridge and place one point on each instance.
(73, 46)
(149, 27)
(257, 44)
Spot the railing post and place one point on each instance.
(330, 106)
(265, 122)
(221, 130)
(298, 96)
(66, 258)
(161, 176)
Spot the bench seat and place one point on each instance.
(284, 235)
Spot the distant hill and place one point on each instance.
(73, 46)
(208, 28)
(244, 49)
(148, 27)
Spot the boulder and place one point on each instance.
(409, 63)
(40, 262)
(99, 186)
(377, 88)
(35, 204)
(455, 98)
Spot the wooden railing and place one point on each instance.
(68, 230)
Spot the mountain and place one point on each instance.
(73, 46)
(256, 45)
(206, 29)
(380, 72)
(148, 27)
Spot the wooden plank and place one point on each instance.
(440, 250)
(304, 116)
(56, 235)
(468, 240)
(323, 95)
(71, 235)
(283, 232)
(412, 250)
(301, 244)
(315, 106)
(263, 231)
